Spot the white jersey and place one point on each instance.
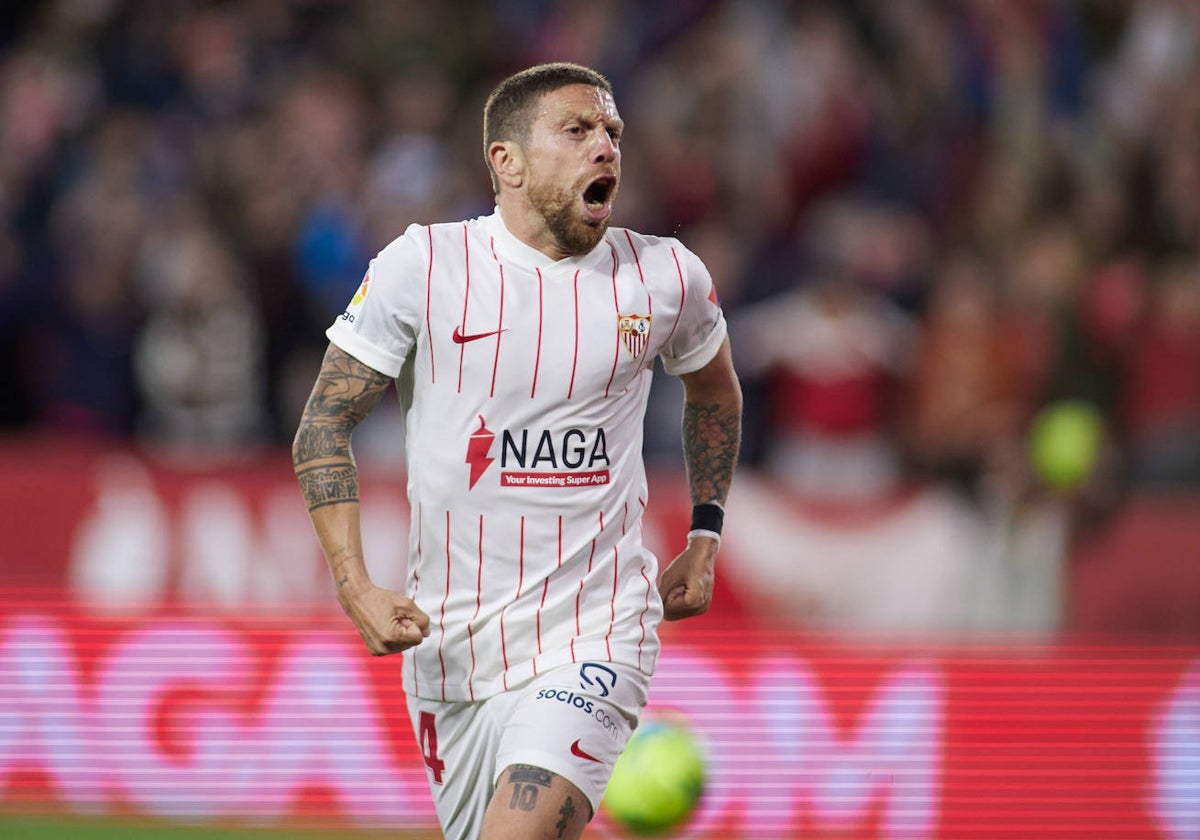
(523, 382)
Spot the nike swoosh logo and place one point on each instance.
(459, 338)
(576, 751)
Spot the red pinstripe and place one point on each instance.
(520, 583)
(538, 620)
(575, 356)
(682, 293)
(642, 615)
(612, 604)
(545, 591)
(579, 594)
(649, 583)
(446, 597)
(617, 312)
(428, 296)
(462, 348)
(537, 358)
(416, 589)
(499, 335)
(478, 606)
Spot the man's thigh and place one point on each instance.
(458, 743)
(574, 722)
(556, 737)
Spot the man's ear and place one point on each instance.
(508, 162)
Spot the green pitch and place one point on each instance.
(24, 827)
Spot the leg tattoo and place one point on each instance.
(567, 811)
(525, 782)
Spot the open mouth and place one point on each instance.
(599, 192)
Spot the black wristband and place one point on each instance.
(708, 517)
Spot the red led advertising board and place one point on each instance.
(190, 717)
(170, 648)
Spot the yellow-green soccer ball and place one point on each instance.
(657, 780)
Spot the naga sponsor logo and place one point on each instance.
(477, 451)
(583, 704)
(540, 457)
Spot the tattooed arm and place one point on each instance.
(712, 428)
(345, 392)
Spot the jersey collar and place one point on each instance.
(519, 252)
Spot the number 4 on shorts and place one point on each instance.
(428, 738)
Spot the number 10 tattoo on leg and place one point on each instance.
(526, 781)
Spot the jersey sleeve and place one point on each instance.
(380, 324)
(701, 328)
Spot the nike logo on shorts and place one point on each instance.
(459, 338)
(576, 751)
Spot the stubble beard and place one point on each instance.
(575, 234)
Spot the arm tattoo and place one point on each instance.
(345, 393)
(328, 485)
(711, 436)
(314, 442)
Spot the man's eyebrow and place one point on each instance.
(594, 118)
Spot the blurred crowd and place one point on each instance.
(926, 218)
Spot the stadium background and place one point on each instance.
(927, 222)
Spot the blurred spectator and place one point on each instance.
(199, 357)
(968, 399)
(85, 380)
(313, 133)
(924, 219)
(832, 352)
(82, 375)
(1043, 273)
(1162, 406)
(926, 142)
(412, 175)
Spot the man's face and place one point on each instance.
(574, 164)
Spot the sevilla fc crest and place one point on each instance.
(635, 333)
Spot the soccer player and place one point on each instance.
(522, 345)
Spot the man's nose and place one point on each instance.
(605, 148)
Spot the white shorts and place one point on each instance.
(573, 721)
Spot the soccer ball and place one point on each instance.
(1065, 441)
(658, 779)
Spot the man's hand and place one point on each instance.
(387, 621)
(686, 585)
